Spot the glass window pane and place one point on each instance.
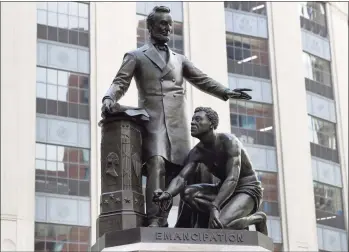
(52, 92)
(83, 61)
(83, 24)
(52, 6)
(73, 8)
(52, 19)
(63, 21)
(51, 166)
(62, 78)
(40, 165)
(51, 76)
(40, 90)
(40, 151)
(41, 74)
(73, 22)
(62, 57)
(61, 156)
(63, 7)
(51, 152)
(83, 10)
(42, 17)
(41, 54)
(62, 94)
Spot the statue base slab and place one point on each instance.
(146, 239)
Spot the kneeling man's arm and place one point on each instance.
(178, 183)
(232, 167)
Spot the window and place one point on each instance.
(317, 69)
(65, 22)
(328, 198)
(253, 7)
(62, 93)
(329, 206)
(62, 132)
(62, 170)
(322, 132)
(176, 39)
(247, 56)
(313, 17)
(62, 127)
(263, 158)
(63, 57)
(53, 237)
(269, 182)
(252, 122)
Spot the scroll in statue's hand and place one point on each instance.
(239, 93)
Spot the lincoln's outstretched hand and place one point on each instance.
(239, 93)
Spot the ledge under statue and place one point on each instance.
(219, 190)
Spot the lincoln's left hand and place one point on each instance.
(239, 93)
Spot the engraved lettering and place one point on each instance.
(177, 237)
(240, 238)
(231, 238)
(200, 236)
(194, 237)
(167, 236)
(159, 236)
(214, 238)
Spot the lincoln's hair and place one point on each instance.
(211, 115)
(151, 16)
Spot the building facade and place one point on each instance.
(294, 55)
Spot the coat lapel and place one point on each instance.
(152, 54)
(171, 63)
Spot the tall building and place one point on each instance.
(294, 55)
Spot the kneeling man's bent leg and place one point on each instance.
(237, 214)
(199, 196)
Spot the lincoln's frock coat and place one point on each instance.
(162, 94)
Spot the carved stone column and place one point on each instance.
(122, 199)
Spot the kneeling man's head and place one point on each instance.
(204, 120)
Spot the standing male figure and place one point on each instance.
(234, 201)
(159, 75)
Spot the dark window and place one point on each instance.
(317, 69)
(253, 7)
(313, 17)
(329, 206)
(322, 132)
(247, 56)
(54, 237)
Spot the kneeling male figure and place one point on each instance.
(233, 202)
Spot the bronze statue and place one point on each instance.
(231, 203)
(159, 74)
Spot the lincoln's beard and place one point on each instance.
(160, 38)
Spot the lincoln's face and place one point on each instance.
(200, 124)
(162, 27)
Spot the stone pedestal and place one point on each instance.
(122, 200)
(182, 239)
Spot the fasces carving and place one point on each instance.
(112, 164)
(126, 156)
